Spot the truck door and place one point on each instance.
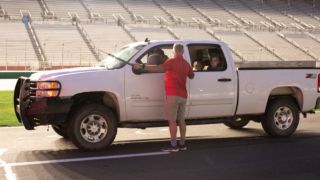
(144, 94)
(213, 92)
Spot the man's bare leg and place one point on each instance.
(173, 132)
(183, 130)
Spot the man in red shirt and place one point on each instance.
(176, 72)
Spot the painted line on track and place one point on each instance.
(83, 159)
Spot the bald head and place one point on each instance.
(178, 48)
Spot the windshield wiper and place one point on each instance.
(119, 59)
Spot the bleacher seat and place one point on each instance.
(141, 32)
(63, 45)
(178, 8)
(286, 50)
(61, 8)
(15, 47)
(109, 38)
(146, 8)
(13, 7)
(107, 8)
(284, 31)
(248, 48)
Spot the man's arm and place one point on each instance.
(154, 68)
(191, 73)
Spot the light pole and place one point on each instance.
(62, 55)
(6, 54)
(25, 55)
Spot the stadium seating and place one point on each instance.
(191, 33)
(178, 9)
(213, 11)
(242, 12)
(106, 37)
(62, 8)
(146, 10)
(279, 19)
(305, 41)
(248, 48)
(16, 51)
(286, 50)
(13, 7)
(255, 30)
(297, 15)
(141, 32)
(107, 9)
(63, 45)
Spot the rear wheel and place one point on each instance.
(93, 127)
(237, 123)
(282, 117)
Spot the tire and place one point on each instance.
(237, 123)
(281, 118)
(92, 127)
(61, 130)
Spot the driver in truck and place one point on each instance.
(176, 72)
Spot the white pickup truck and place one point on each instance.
(87, 105)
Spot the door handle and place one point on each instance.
(224, 80)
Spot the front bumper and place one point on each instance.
(32, 111)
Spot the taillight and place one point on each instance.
(318, 83)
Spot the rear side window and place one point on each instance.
(207, 57)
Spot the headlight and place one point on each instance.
(48, 89)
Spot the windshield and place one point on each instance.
(119, 59)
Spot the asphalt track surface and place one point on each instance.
(214, 152)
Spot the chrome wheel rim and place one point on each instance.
(283, 118)
(93, 128)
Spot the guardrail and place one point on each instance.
(14, 74)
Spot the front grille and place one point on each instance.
(32, 91)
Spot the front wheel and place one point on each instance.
(93, 127)
(281, 118)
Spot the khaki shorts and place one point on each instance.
(175, 108)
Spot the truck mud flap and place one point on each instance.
(21, 102)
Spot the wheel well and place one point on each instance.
(294, 93)
(105, 98)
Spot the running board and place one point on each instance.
(162, 123)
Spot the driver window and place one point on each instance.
(207, 58)
(156, 55)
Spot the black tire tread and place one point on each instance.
(81, 113)
(268, 122)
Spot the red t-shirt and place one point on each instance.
(176, 72)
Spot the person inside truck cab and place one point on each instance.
(156, 57)
(216, 64)
(197, 66)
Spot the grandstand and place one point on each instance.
(107, 37)
(63, 45)
(16, 51)
(14, 8)
(66, 8)
(249, 49)
(50, 34)
(146, 11)
(107, 10)
(140, 32)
